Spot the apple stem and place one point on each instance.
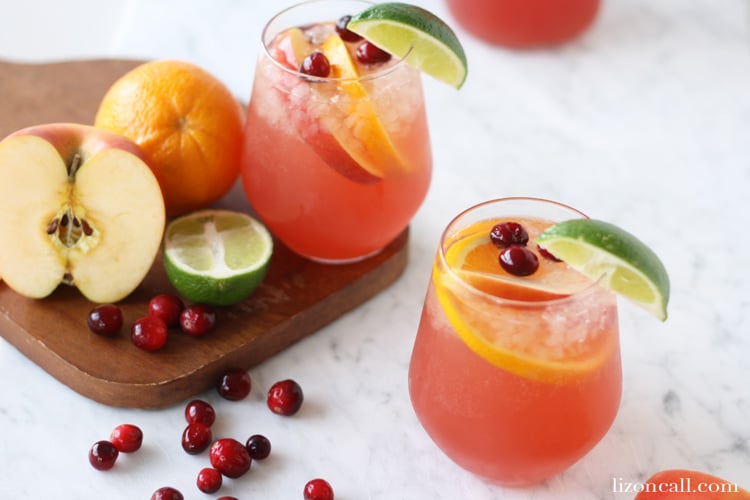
(74, 164)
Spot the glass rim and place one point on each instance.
(399, 63)
(592, 287)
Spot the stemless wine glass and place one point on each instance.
(524, 23)
(514, 378)
(336, 166)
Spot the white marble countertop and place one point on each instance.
(644, 121)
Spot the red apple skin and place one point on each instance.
(71, 138)
(677, 479)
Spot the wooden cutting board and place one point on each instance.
(297, 298)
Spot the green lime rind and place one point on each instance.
(621, 262)
(216, 257)
(215, 291)
(416, 35)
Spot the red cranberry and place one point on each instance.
(167, 493)
(196, 437)
(344, 32)
(258, 446)
(105, 320)
(149, 333)
(127, 438)
(167, 307)
(197, 319)
(227, 498)
(103, 455)
(545, 253)
(285, 397)
(519, 260)
(230, 457)
(209, 480)
(318, 489)
(234, 385)
(369, 53)
(506, 234)
(200, 411)
(316, 64)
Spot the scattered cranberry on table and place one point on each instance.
(197, 319)
(285, 397)
(196, 438)
(318, 489)
(167, 493)
(105, 320)
(127, 438)
(167, 307)
(209, 480)
(198, 410)
(258, 447)
(234, 385)
(149, 333)
(230, 457)
(103, 455)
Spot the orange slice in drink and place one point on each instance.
(354, 122)
(522, 326)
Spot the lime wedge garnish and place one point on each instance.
(605, 252)
(216, 257)
(416, 35)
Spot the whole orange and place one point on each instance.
(188, 123)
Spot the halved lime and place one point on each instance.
(412, 33)
(216, 257)
(604, 251)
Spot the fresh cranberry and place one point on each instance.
(196, 438)
(369, 53)
(318, 489)
(149, 333)
(209, 480)
(167, 493)
(234, 385)
(197, 319)
(506, 234)
(316, 64)
(199, 411)
(285, 397)
(103, 455)
(519, 260)
(258, 446)
(167, 307)
(230, 457)
(547, 255)
(227, 498)
(105, 320)
(127, 438)
(344, 32)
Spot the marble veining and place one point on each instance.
(644, 121)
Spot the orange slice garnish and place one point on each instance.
(355, 123)
(520, 326)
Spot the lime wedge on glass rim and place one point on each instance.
(416, 35)
(216, 257)
(619, 260)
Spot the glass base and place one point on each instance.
(338, 262)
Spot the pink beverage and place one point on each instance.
(524, 23)
(514, 379)
(336, 166)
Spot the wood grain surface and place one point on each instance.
(297, 298)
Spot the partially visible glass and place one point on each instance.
(525, 23)
(515, 383)
(335, 167)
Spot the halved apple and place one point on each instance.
(80, 206)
